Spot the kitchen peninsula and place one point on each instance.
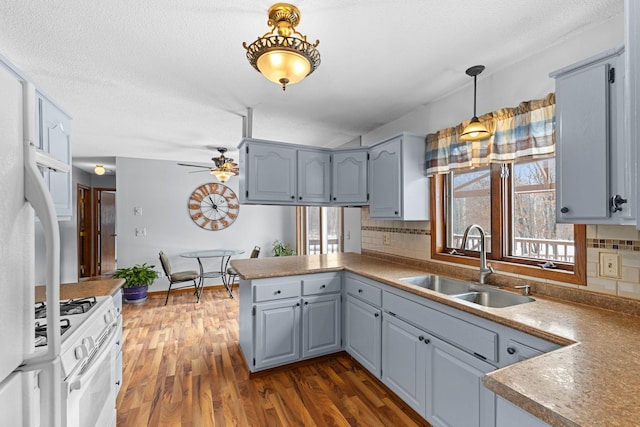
(589, 380)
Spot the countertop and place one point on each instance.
(83, 289)
(592, 381)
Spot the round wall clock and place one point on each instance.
(213, 206)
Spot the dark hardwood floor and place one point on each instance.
(183, 367)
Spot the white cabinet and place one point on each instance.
(349, 177)
(398, 187)
(314, 177)
(267, 172)
(455, 393)
(590, 137)
(286, 319)
(54, 137)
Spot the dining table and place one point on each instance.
(224, 255)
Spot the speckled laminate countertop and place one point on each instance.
(593, 381)
(83, 289)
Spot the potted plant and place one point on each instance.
(282, 249)
(137, 281)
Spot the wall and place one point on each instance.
(162, 190)
(507, 87)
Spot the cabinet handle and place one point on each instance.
(293, 197)
(395, 212)
(334, 199)
(427, 340)
(359, 291)
(615, 202)
(306, 303)
(117, 382)
(323, 286)
(564, 209)
(298, 305)
(511, 350)
(421, 338)
(300, 198)
(376, 314)
(278, 292)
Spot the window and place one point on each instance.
(319, 230)
(515, 205)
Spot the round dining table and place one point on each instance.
(224, 255)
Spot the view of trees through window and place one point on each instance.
(324, 230)
(528, 196)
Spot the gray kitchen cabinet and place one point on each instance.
(321, 326)
(54, 138)
(277, 333)
(349, 177)
(267, 172)
(404, 361)
(509, 415)
(314, 177)
(363, 328)
(590, 137)
(398, 186)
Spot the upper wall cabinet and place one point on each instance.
(349, 177)
(398, 187)
(594, 164)
(54, 137)
(287, 174)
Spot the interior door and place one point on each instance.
(85, 235)
(105, 230)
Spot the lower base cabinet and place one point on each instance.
(508, 415)
(277, 339)
(321, 326)
(363, 333)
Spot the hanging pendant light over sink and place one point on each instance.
(283, 55)
(474, 131)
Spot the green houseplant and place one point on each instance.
(282, 249)
(137, 281)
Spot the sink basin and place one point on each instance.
(493, 298)
(444, 285)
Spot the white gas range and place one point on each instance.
(91, 336)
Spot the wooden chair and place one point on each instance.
(232, 274)
(179, 277)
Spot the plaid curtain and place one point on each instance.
(526, 131)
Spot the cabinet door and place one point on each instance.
(271, 174)
(583, 120)
(363, 334)
(314, 179)
(385, 185)
(321, 325)
(349, 183)
(404, 361)
(55, 131)
(277, 333)
(508, 415)
(455, 393)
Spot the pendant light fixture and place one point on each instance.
(99, 170)
(283, 55)
(474, 131)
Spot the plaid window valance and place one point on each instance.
(527, 130)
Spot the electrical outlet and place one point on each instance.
(610, 265)
(386, 239)
(141, 232)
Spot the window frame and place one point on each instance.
(301, 229)
(500, 209)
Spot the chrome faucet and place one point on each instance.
(485, 269)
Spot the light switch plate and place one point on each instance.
(386, 239)
(610, 265)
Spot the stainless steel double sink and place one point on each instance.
(471, 292)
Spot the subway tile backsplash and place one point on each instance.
(412, 240)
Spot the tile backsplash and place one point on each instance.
(412, 240)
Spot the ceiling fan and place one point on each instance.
(223, 169)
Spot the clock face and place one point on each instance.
(213, 206)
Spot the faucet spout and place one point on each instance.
(485, 269)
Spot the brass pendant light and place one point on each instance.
(282, 54)
(474, 131)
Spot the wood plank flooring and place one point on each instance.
(183, 367)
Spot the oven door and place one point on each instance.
(89, 395)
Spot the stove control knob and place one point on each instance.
(81, 352)
(108, 317)
(88, 342)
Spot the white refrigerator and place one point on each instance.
(23, 370)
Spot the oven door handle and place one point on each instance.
(106, 348)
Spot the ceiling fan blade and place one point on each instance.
(194, 166)
(208, 170)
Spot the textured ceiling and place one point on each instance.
(167, 79)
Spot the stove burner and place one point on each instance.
(41, 331)
(67, 308)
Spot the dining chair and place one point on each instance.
(233, 274)
(178, 277)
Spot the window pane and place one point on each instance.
(334, 229)
(470, 203)
(313, 230)
(535, 232)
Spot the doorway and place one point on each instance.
(85, 235)
(104, 208)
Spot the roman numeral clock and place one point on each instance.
(213, 206)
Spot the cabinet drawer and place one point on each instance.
(474, 339)
(321, 284)
(364, 291)
(280, 289)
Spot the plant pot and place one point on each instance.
(135, 294)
